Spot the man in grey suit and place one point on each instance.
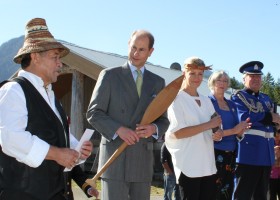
(115, 110)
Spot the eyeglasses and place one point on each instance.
(221, 81)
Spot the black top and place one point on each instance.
(165, 156)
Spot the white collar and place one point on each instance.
(37, 81)
(133, 68)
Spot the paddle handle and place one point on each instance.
(107, 164)
(113, 157)
(151, 114)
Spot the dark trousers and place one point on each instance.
(274, 189)
(251, 182)
(201, 188)
(14, 195)
(225, 163)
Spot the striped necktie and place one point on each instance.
(139, 81)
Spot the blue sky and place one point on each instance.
(224, 33)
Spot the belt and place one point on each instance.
(260, 133)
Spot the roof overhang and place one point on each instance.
(82, 64)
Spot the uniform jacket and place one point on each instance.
(253, 149)
(115, 103)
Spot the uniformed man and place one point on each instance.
(255, 149)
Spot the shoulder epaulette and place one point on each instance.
(255, 107)
(234, 93)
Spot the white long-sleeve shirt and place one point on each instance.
(194, 156)
(14, 140)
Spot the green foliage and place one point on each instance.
(235, 84)
(277, 92)
(271, 88)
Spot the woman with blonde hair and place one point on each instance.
(225, 150)
(189, 137)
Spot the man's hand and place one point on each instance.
(145, 131)
(64, 156)
(127, 135)
(277, 151)
(93, 192)
(86, 150)
(275, 118)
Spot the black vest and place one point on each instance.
(45, 181)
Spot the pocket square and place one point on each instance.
(154, 95)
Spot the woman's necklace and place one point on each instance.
(223, 105)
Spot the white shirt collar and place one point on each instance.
(34, 79)
(133, 68)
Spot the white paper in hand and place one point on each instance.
(85, 137)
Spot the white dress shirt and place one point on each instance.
(133, 70)
(14, 140)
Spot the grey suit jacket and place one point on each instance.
(115, 103)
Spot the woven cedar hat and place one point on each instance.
(196, 63)
(38, 39)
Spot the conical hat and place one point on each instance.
(38, 39)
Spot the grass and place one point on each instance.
(156, 188)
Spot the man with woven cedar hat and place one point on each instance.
(34, 134)
(255, 149)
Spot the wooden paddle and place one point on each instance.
(155, 109)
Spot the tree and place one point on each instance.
(277, 92)
(268, 86)
(235, 84)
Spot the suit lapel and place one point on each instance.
(148, 85)
(130, 85)
(131, 92)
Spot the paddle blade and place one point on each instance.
(155, 109)
(162, 101)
